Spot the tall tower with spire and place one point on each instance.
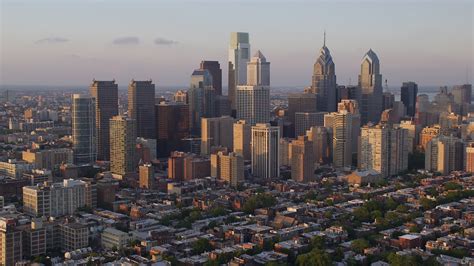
(324, 80)
(370, 82)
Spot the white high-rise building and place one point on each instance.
(383, 149)
(239, 55)
(341, 124)
(56, 199)
(265, 145)
(253, 99)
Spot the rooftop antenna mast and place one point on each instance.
(386, 85)
(324, 43)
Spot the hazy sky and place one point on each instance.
(70, 42)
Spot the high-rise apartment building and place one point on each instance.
(216, 72)
(469, 158)
(123, 145)
(383, 149)
(427, 134)
(302, 159)
(141, 107)
(413, 133)
(105, 94)
(216, 131)
(341, 124)
(370, 82)
(242, 138)
(324, 80)
(172, 127)
(265, 145)
(228, 167)
(56, 199)
(445, 154)
(146, 176)
(239, 55)
(253, 99)
(84, 133)
(409, 92)
(352, 106)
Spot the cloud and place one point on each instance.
(164, 41)
(52, 40)
(129, 40)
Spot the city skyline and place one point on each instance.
(52, 50)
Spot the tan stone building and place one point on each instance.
(302, 159)
(242, 136)
(123, 145)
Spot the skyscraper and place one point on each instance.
(84, 137)
(253, 99)
(106, 106)
(141, 107)
(265, 146)
(321, 138)
(172, 127)
(216, 131)
(302, 159)
(469, 158)
(352, 106)
(383, 149)
(445, 154)
(341, 124)
(147, 176)
(242, 138)
(324, 80)
(370, 82)
(122, 149)
(409, 92)
(201, 98)
(300, 103)
(216, 72)
(239, 55)
(304, 121)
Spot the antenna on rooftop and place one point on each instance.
(386, 85)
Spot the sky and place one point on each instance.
(70, 42)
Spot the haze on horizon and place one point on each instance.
(51, 42)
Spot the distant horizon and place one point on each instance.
(52, 42)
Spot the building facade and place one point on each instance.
(123, 145)
(141, 107)
(265, 146)
(84, 133)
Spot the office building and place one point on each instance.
(222, 105)
(383, 149)
(48, 159)
(242, 138)
(409, 93)
(146, 174)
(11, 239)
(172, 127)
(201, 99)
(215, 70)
(15, 169)
(427, 134)
(253, 99)
(228, 167)
(321, 139)
(352, 106)
(413, 131)
(146, 150)
(84, 132)
(180, 97)
(300, 103)
(239, 55)
(123, 145)
(73, 236)
(304, 121)
(215, 132)
(141, 107)
(105, 94)
(284, 152)
(370, 82)
(388, 100)
(302, 159)
(324, 80)
(265, 146)
(56, 199)
(112, 238)
(469, 158)
(445, 154)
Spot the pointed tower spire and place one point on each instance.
(324, 43)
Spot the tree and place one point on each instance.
(316, 257)
(362, 214)
(427, 204)
(201, 245)
(359, 245)
(263, 200)
(317, 242)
